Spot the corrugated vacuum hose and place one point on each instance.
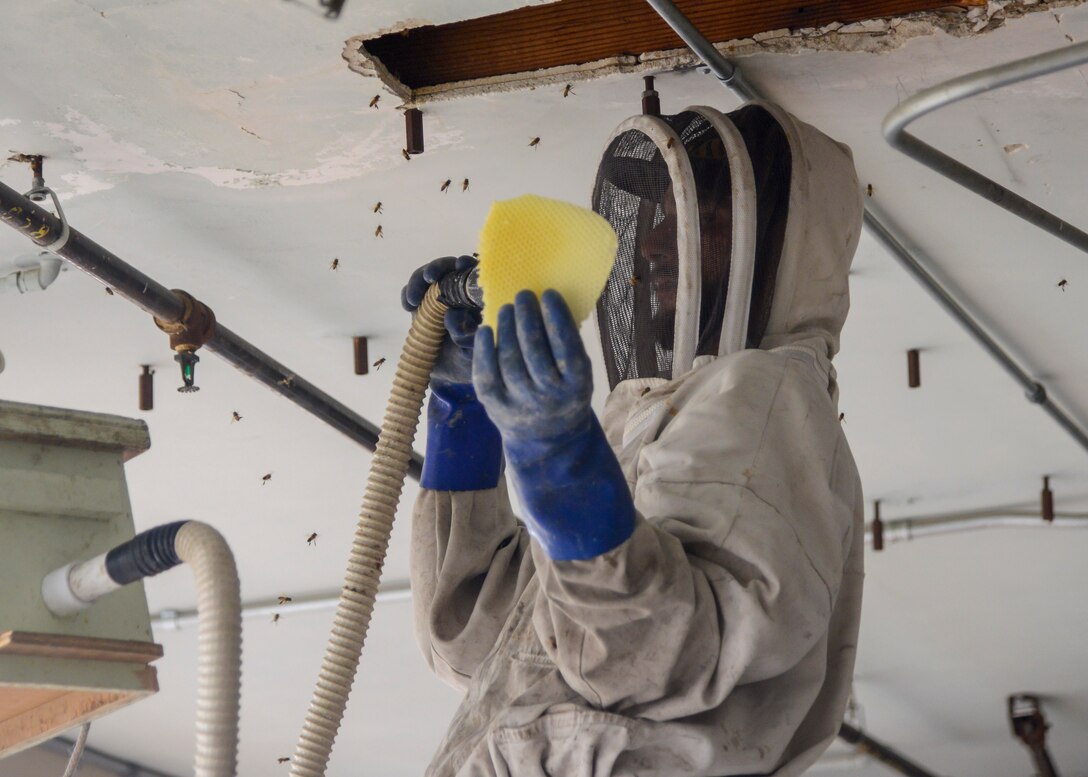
(72, 588)
(383, 490)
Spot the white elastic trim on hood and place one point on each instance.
(742, 251)
(688, 240)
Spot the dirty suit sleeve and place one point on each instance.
(733, 569)
(469, 564)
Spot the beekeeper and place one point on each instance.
(683, 594)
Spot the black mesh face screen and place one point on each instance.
(634, 193)
(635, 311)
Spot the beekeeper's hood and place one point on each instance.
(734, 231)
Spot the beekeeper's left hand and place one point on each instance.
(535, 382)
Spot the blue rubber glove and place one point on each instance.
(464, 450)
(536, 382)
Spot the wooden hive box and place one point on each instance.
(63, 498)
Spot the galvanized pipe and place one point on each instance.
(724, 70)
(732, 79)
(1035, 391)
(881, 752)
(100, 760)
(43, 228)
(935, 97)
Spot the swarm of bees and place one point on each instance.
(334, 264)
(378, 364)
(445, 185)
(266, 478)
(534, 142)
(378, 231)
(312, 539)
(374, 100)
(234, 417)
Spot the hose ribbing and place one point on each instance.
(219, 644)
(383, 489)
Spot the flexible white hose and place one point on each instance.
(219, 645)
(383, 488)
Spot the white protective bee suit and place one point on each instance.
(719, 638)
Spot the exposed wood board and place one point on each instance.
(571, 32)
(22, 643)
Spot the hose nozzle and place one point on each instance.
(461, 289)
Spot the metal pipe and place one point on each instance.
(881, 752)
(100, 760)
(929, 100)
(1035, 391)
(731, 78)
(175, 620)
(907, 529)
(901, 530)
(43, 227)
(724, 70)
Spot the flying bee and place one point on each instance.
(282, 760)
(312, 539)
(464, 185)
(235, 417)
(288, 381)
(109, 291)
(378, 364)
(266, 478)
(669, 142)
(404, 153)
(275, 617)
(374, 100)
(282, 599)
(378, 206)
(533, 143)
(378, 231)
(446, 185)
(842, 417)
(568, 89)
(634, 280)
(869, 189)
(334, 264)
(1062, 284)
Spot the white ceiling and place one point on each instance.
(226, 149)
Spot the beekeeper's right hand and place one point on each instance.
(464, 450)
(454, 363)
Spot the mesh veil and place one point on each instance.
(636, 193)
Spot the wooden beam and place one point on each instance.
(573, 32)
